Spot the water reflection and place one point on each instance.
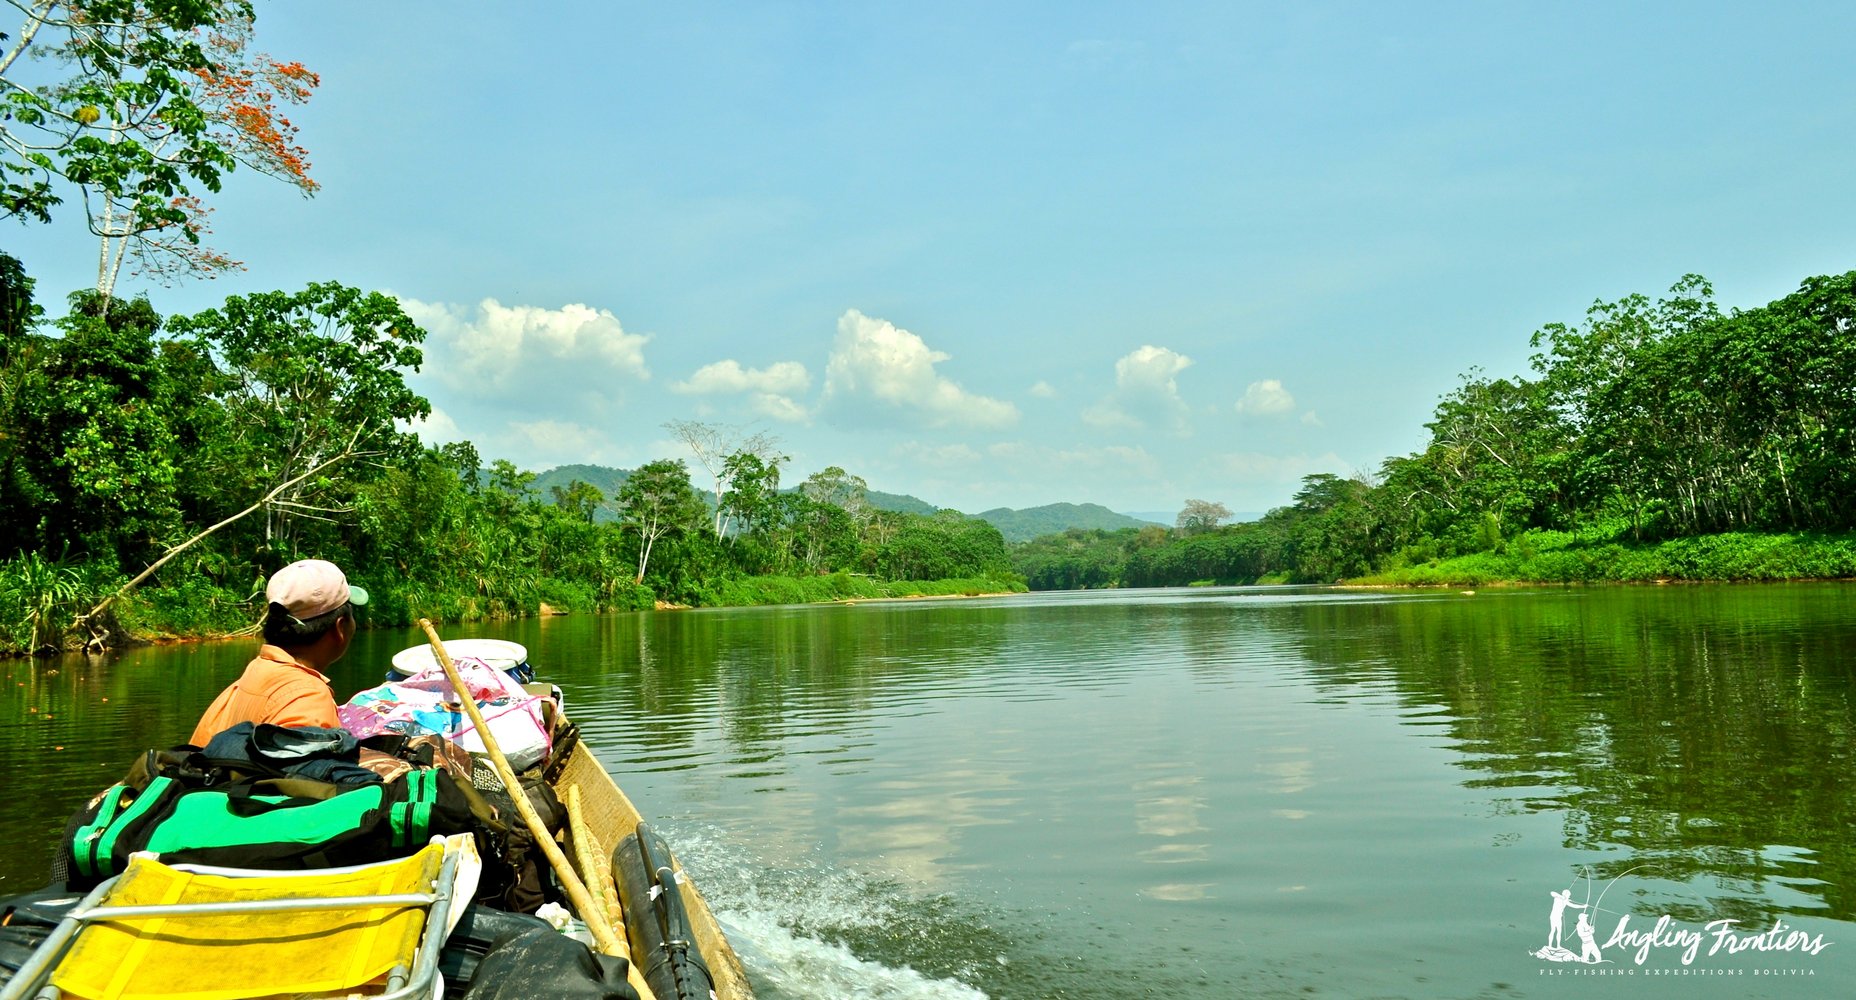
(1254, 790)
(1681, 731)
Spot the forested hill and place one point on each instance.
(1016, 525)
(1031, 522)
(603, 478)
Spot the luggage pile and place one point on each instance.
(382, 859)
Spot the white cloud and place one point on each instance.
(784, 378)
(770, 390)
(778, 407)
(537, 386)
(1146, 392)
(435, 428)
(1266, 399)
(495, 346)
(543, 444)
(1312, 420)
(878, 370)
(1044, 390)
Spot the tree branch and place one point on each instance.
(86, 617)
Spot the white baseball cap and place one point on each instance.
(310, 587)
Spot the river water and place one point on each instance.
(1271, 792)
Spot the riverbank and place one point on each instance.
(1562, 557)
(200, 612)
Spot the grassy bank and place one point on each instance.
(198, 609)
(749, 591)
(1561, 557)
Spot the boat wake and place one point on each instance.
(783, 964)
(830, 932)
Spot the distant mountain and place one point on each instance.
(602, 478)
(1015, 525)
(1170, 518)
(1050, 519)
(899, 502)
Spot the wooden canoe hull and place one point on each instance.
(611, 817)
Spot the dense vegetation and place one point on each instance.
(279, 418)
(1655, 440)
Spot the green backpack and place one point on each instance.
(266, 823)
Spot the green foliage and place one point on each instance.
(1561, 557)
(1660, 440)
(750, 591)
(134, 78)
(36, 595)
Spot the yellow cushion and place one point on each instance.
(229, 956)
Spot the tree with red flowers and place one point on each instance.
(163, 98)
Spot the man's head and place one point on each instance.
(311, 608)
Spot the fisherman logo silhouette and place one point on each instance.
(1555, 951)
(1723, 937)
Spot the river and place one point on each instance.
(1216, 792)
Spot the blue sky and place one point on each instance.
(1012, 254)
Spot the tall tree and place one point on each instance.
(306, 377)
(714, 447)
(657, 499)
(162, 98)
(1201, 516)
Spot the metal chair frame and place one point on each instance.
(403, 983)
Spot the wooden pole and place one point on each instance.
(588, 850)
(576, 890)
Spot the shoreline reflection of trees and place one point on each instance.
(1694, 729)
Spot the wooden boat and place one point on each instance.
(611, 817)
(605, 817)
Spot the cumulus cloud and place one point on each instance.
(536, 385)
(1146, 392)
(879, 370)
(1312, 420)
(493, 346)
(1043, 390)
(436, 427)
(770, 390)
(543, 444)
(787, 378)
(1266, 399)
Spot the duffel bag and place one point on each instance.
(268, 823)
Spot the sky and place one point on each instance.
(1009, 254)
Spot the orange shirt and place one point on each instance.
(276, 689)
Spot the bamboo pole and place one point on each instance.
(576, 890)
(587, 849)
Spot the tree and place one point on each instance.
(96, 449)
(753, 503)
(656, 500)
(714, 446)
(579, 499)
(1201, 515)
(303, 377)
(163, 98)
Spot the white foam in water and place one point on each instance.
(789, 965)
(770, 915)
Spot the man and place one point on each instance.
(307, 627)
